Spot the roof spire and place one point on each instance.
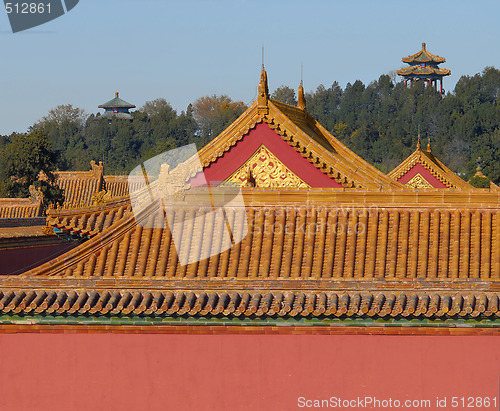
(419, 147)
(262, 57)
(263, 89)
(301, 103)
(479, 167)
(429, 145)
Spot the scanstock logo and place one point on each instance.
(25, 14)
(170, 192)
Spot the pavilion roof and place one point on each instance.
(423, 71)
(117, 102)
(85, 188)
(423, 56)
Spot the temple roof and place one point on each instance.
(87, 220)
(396, 242)
(431, 163)
(86, 188)
(117, 102)
(399, 265)
(306, 136)
(20, 208)
(368, 249)
(423, 56)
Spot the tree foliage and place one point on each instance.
(285, 94)
(214, 113)
(381, 121)
(26, 155)
(62, 113)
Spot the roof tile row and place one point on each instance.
(254, 303)
(295, 242)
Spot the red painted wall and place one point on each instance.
(17, 260)
(61, 372)
(233, 159)
(419, 168)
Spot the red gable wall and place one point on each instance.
(233, 159)
(420, 169)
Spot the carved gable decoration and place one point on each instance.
(267, 171)
(418, 182)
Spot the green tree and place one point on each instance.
(64, 112)
(285, 94)
(24, 158)
(214, 113)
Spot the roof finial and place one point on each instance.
(423, 46)
(263, 89)
(419, 147)
(116, 94)
(301, 101)
(262, 56)
(429, 145)
(479, 167)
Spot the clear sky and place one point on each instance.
(182, 50)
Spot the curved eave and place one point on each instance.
(423, 71)
(109, 114)
(117, 106)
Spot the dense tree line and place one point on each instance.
(379, 121)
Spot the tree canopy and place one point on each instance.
(26, 155)
(214, 113)
(285, 94)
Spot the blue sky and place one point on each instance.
(182, 50)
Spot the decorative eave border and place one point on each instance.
(308, 152)
(431, 71)
(251, 304)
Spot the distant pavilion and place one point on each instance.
(117, 108)
(424, 66)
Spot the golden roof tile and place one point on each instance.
(239, 303)
(20, 208)
(390, 242)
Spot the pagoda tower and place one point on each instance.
(424, 66)
(117, 108)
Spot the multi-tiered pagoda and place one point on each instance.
(424, 66)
